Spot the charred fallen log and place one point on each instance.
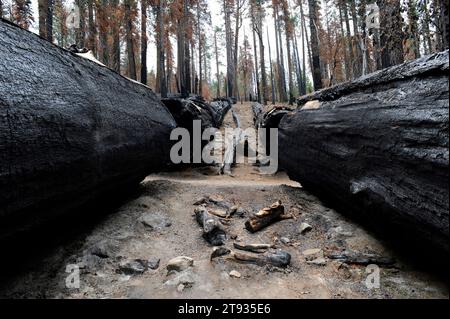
(213, 231)
(70, 130)
(277, 258)
(187, 110)
(270, 119)
(378, 148)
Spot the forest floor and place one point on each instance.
(159, 224)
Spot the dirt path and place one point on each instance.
(159, 224)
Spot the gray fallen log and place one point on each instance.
(70, 130)
(213, 231)
(377, 148)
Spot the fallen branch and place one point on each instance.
(254, 248)
(278, 258)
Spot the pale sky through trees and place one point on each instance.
(217, 21)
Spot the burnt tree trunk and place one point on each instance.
(377, 147)
(70, 130)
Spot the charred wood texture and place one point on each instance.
(269, 119)
(377, 147)
(70, 130)
(213, 231)
(266, 217)
(187, 110)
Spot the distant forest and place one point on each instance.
(270, 51)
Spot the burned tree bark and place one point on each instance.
(70, 130)
(377, 147)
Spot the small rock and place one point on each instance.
(180, 263)
(153, 263)
(311, 254)
(154, 221)
(184, 278)
(318, 262)
(343, 232)
(235, 274)
(180, 287)
(304, 228)
(285, 240)
(134, 267)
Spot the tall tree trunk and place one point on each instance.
(160, 68)
(129, 40)
(445, 29)
(103, 25)
(49, 21)
(227, 6)
(258, 87)
(114, 59)
(200, 59)
(348, 38)
(300, 79)
(42, 11)
(304, 38)
(80, 32)
(282, 70)
(216, 49)
(426, 28)
(92, 42)
(313, 22)
(272, 81)
(357, 65)
(144, 41)
(391, 37)
(288, 33)
(343, 39)
(264, 91)
(363, 37)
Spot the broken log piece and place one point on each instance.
(277, 258)
(356, 258)
(213, 231)
(378, 149)
(70, 131)
(186, 111)
(269, 119)
(266, 217)
(254, 248)
(221, 108)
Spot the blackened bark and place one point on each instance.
(378, 148)
(70, 130)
